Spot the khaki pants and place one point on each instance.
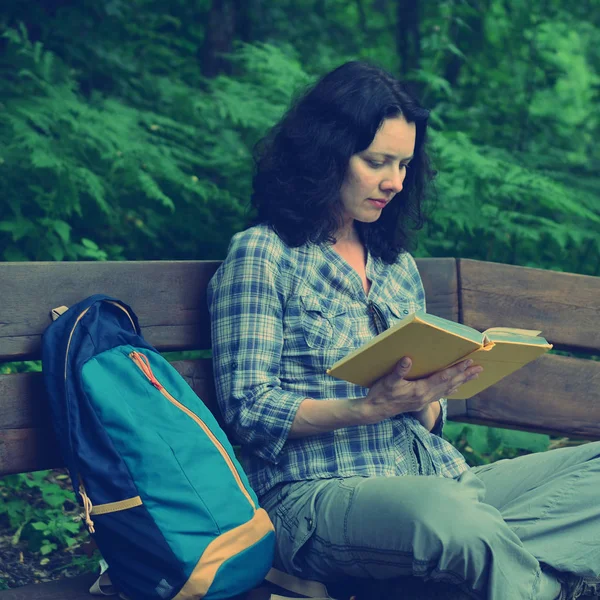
(498, 531)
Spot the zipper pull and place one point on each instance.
(141, 360)
(155, 383)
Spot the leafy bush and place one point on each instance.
(481, 445)
(115, 146)
(492, 206)
(102, 178)
(40, 511)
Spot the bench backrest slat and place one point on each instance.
(440, 281)
(554, 394)
(26, 439)
(30, 449)
(169, 298)
(564, 306)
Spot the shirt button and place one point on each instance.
(234, 365)
(405, 312)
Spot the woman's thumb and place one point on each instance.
(403, 366)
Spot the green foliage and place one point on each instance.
(187, 355)
(482, 445)
(114, 144)
(26, 366)
(40, 511)
(102, 179)
(494, 207)
(132, 153)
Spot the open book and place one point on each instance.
(434, 343)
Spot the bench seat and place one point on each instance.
(75, 588)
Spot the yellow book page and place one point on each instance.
(429, 347)
(511, 330)
(498, 361)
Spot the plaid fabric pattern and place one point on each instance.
(280, 317)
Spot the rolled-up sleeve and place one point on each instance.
(246, 303)
(439, 426)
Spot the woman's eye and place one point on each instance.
(377, 165)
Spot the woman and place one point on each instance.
(359, 482)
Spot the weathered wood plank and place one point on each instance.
(440, 281)
(23, 450)
(441, 286)
(76, 588)
(22, 401)
(168, 297)
(457, 409)
(27, 442)
(554, 394)
(565, 306)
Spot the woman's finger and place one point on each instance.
(450, 375)
(462, 378)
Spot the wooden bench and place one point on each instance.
(556, 394)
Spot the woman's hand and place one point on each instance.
(390, 396)
(393, 394)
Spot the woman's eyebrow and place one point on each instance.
(392, 156)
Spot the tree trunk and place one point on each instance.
(218, 38)
(408, 37)
(321, 8)
(362, 16)
(473, 23)
(246, 13)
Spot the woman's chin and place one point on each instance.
(371, 217)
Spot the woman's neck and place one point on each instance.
(348, 235)
(352, 249)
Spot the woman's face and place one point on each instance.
(376, 174)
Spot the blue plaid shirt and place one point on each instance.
(280, 317)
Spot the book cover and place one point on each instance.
(434, 343)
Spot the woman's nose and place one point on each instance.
(394, 183)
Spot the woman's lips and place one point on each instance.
(378, 202)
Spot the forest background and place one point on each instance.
(127, 127)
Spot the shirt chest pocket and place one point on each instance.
(325, 322)
(396, 311)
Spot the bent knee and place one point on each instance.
(411, 497)
(439, 512)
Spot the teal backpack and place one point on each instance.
(163, 494)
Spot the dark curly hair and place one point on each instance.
(302, 162)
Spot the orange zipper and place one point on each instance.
(86, 501)
(141, 360)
